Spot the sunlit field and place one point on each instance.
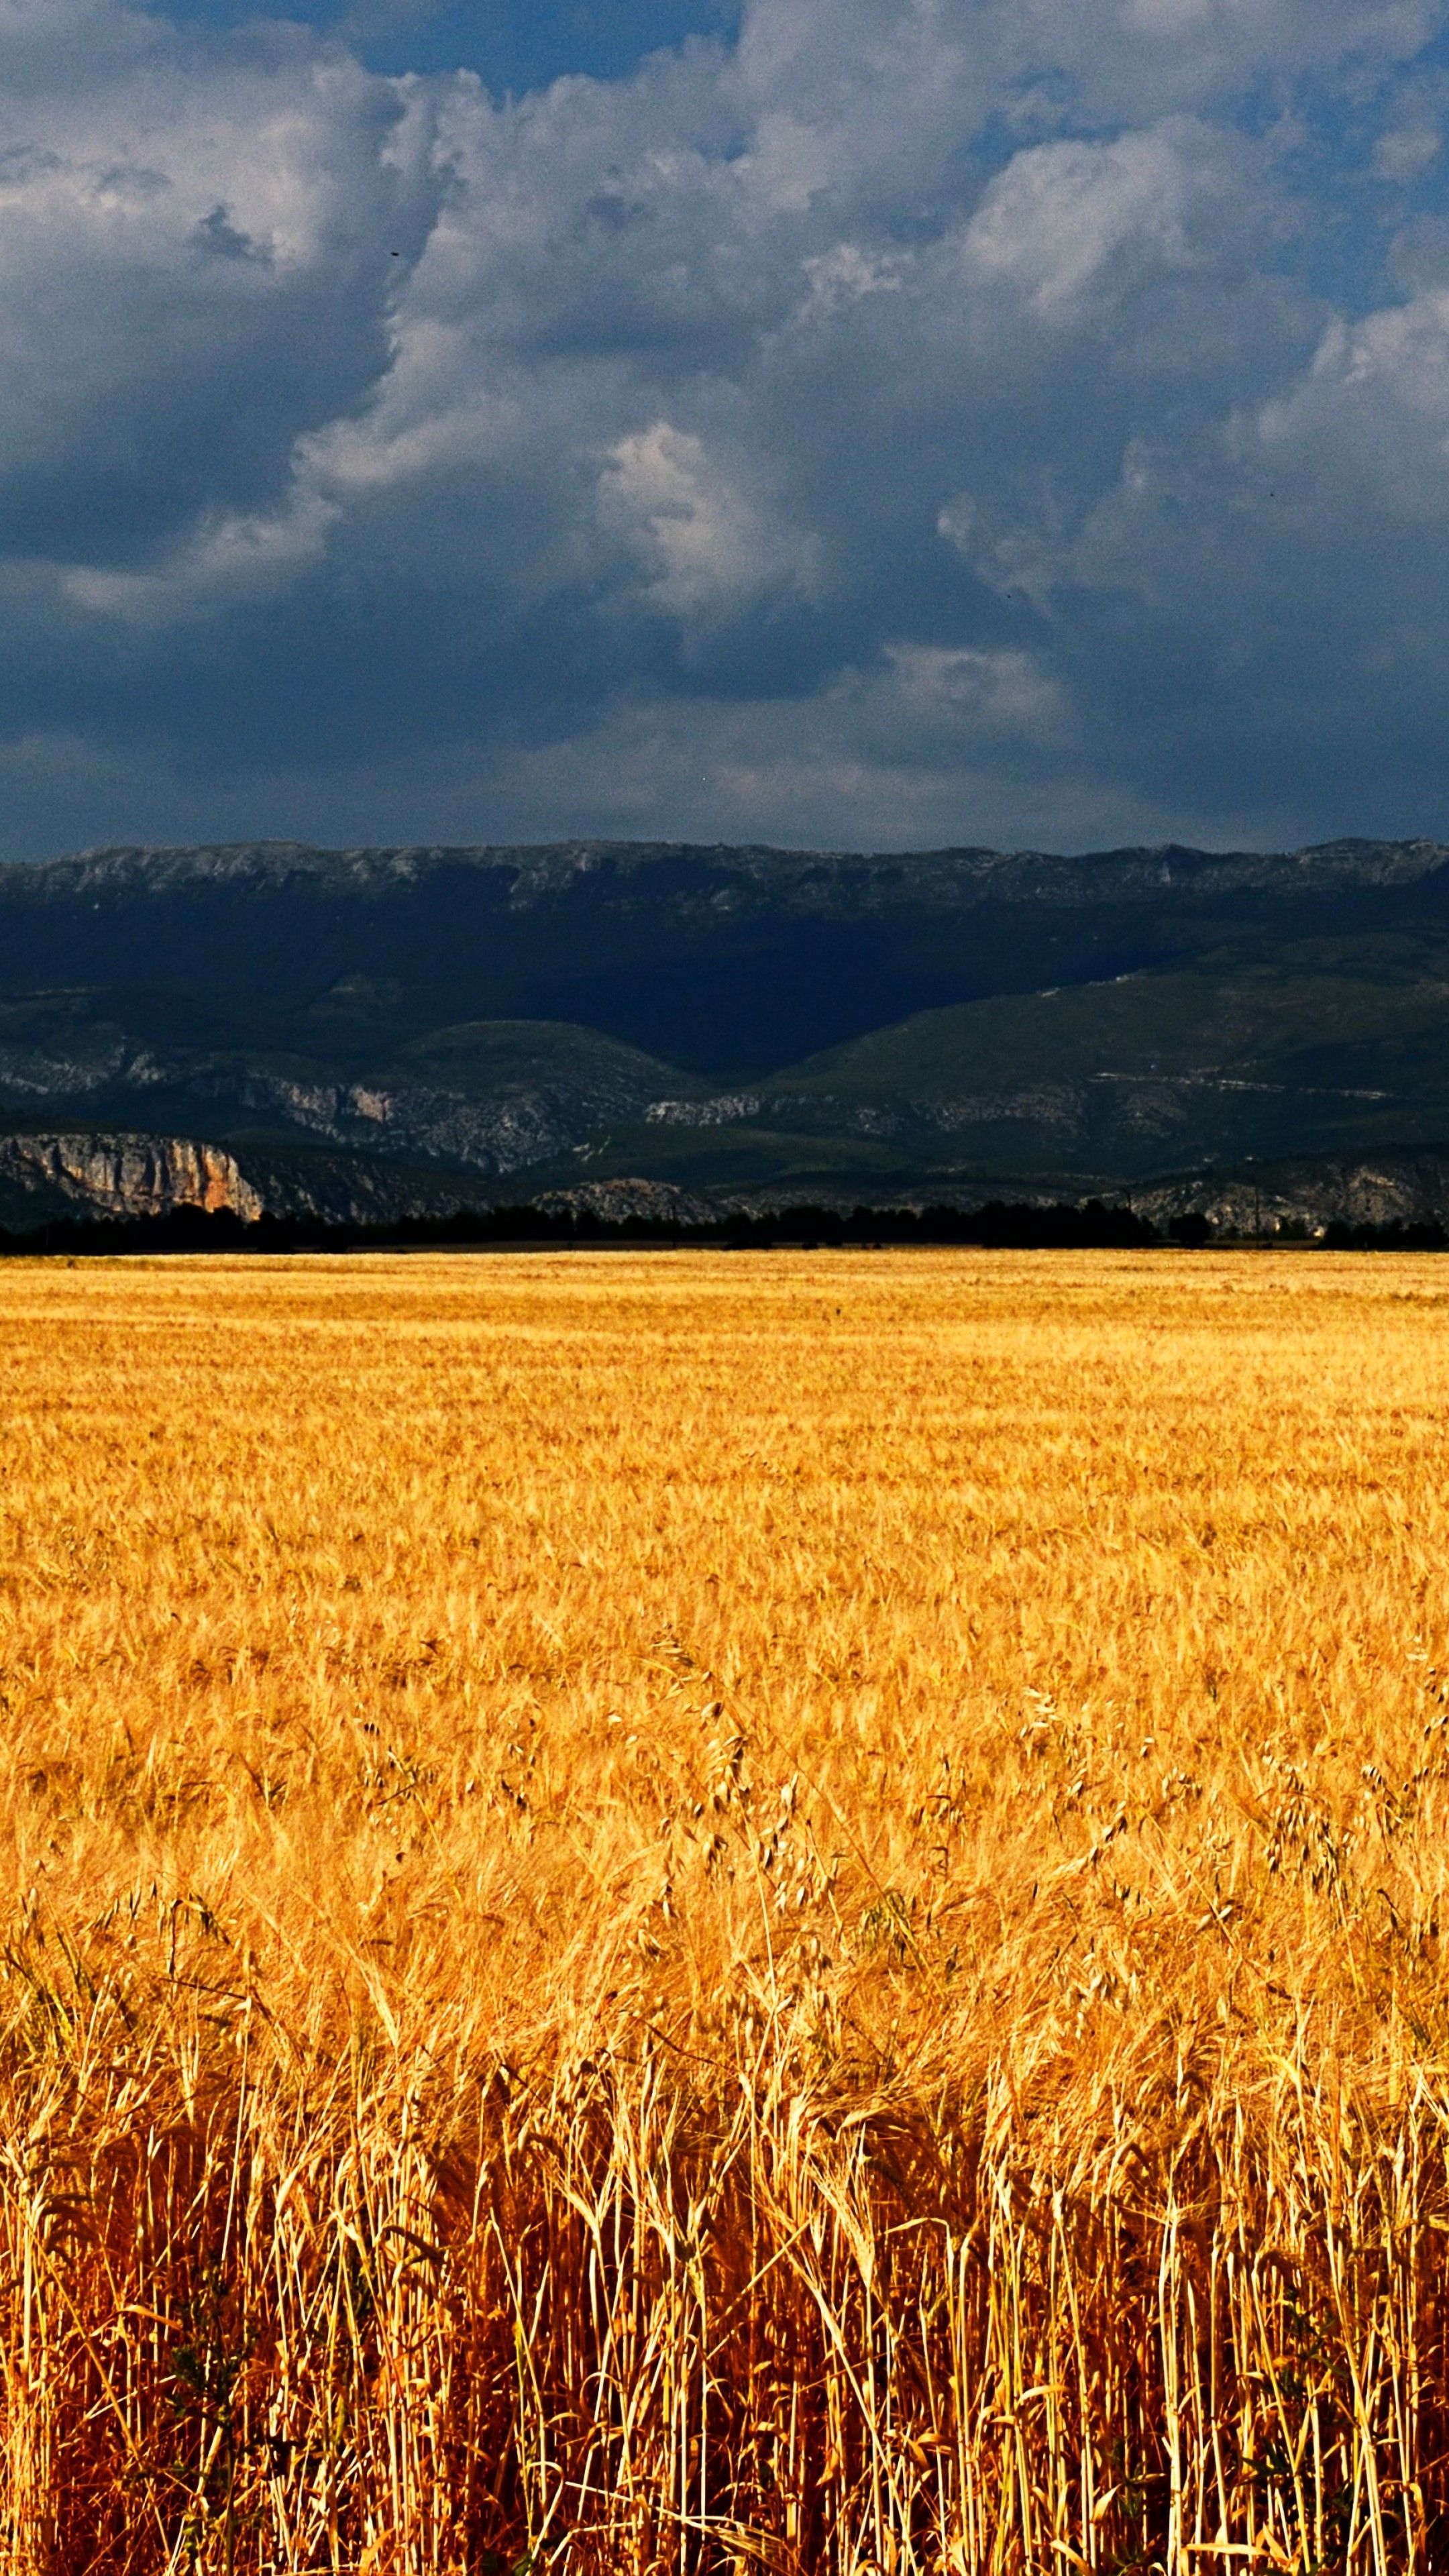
(725, 1912)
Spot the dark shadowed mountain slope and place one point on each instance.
(1328, 1043)
(730, 962)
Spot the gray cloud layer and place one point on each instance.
(924, 420)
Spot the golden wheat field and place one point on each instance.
(712, 1912)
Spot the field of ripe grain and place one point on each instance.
(707, 1913)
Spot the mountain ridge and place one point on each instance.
(722, 1018)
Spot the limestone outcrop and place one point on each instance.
(103, 1174)
(1302, 1195)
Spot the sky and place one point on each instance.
(852, 423)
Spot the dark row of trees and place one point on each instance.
(190, 1229)
(1004, 1224)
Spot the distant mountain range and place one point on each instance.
(407, 1029)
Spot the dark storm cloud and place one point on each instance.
(910, 421)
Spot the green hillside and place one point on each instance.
(1333, 1045)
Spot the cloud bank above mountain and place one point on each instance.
(884, 421)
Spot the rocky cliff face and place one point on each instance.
(121, 1175)
(489, 1137)
(116, 1173)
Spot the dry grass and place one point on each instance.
(724, 1912)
